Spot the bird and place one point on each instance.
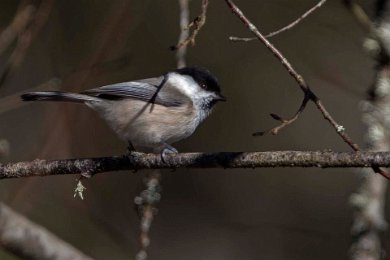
(152, 112)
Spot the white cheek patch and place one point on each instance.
(185, 84)
(188, 86)
(201, 98)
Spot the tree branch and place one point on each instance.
(138, 161)
(340, 130)
(184, 33)
(197, 24)
(283, 29)
(285, 122)
(30, 241)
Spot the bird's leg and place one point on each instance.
(166, 149)
(130, 151)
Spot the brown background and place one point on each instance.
(204, 214)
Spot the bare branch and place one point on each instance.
(29, 241)
(340, 130)
(197, 24)
(285, 28)
(184, 33)
(285, 122)
(138, 161)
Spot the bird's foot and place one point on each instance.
(130, 151)
(166, 151)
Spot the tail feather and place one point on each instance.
(57, 96)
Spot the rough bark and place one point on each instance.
(138, 161)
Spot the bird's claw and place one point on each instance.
(166, 151)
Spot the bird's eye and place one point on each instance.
(204, 86)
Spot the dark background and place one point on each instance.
(204, 214)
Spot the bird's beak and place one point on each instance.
(219, 97)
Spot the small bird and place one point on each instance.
(152, 112)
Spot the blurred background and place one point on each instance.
(203, 214)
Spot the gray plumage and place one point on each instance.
(152, 112)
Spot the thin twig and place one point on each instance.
(197, 24)
(340, 130)
(27, 240)
(139, 161)
(285, 122)
(184, 33)
(285, 28)
(241, 39)
(298, 78)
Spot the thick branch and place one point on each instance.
(138, 161)
(30, 241)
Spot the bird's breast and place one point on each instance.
(147, 124)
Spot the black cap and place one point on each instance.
(203, 77)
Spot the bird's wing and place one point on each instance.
(153, 90)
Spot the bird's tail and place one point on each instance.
(57, 96)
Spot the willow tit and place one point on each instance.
(153, 112)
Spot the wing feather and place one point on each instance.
(153, 90)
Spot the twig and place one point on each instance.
(139, 161)
(298, 78)
(184, 33)
(27, 240)
(340, 130)
(285, 28)
(285, 122)
(197, 24)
